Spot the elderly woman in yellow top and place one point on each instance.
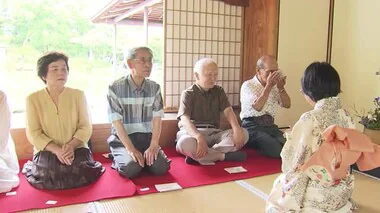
(59, 128)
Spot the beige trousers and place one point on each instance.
(219, 142)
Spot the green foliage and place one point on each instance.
(157, 46)
(45, 25)
(29, 28)
(371, 120)
(63, 25)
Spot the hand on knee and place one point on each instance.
(239, 137)
(131, 170)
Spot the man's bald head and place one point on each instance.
(265, 60)
(265, 65)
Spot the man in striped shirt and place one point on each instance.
(135, 110)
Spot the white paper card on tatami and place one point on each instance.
(168, 187)
(236, 169)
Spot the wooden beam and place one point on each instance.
(330, 31)
(120, 9)
(104, 10)
(146, 20)
(114, 51)
(111, 15)
(136, 9)
(134, 22)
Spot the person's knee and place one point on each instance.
(274, 151)
(254, 136)
(281, 139)
(251, 139)
(131, 170)
(160, 167)
(186, 145)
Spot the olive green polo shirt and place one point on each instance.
(203, 107)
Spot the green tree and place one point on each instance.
(45, 25)
(157, 45)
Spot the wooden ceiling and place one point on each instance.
(133, 10)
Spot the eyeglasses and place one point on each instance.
(143, 60)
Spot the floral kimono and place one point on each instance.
(293, 190)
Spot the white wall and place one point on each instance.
(356, 51)
(303, 29)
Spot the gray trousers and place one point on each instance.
(218, 141)
(267, 140)
(125, 164)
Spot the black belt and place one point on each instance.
(205, 126)
(263, 120)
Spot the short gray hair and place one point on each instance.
(200, 64)
(132, 52)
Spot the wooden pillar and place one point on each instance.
(330, 32)
(260, 33)
(146, 20)
(114, 51)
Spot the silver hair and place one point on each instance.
(132, 54)
(201, 63)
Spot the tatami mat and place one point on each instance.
(77, 208)
(263, 183)
(366, 192)
(226, 197)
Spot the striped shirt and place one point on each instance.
(134, 106)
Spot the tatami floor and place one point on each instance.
(236, 197)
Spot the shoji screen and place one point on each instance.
(196, 29)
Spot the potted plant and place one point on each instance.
(371, 122)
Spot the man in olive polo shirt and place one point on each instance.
(200, 138)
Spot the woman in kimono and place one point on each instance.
(293, 190)
(59, 128)
(9, 167)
